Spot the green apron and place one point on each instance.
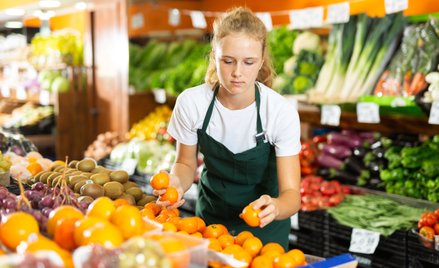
(231, 181)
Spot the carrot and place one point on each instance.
(418, 84)
(379, 90)
(406, 82)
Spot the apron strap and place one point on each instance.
(260, 134)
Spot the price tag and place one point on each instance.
(295, 221)
(265, 17)
(368, 112)
(338, 13)
(129, 165)
(434, 114)
(21, 93)
(44, 97)
(159, 95)
(198, 19)
(364, 241)
(306, 18)
(137, 21)
(174, 17)
(330, 115)
(6, 91)
(393, 6)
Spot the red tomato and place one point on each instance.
(336, 199)
(436, 228)
(436, 212)
(309, 207)
(430, 220)
(427, 232)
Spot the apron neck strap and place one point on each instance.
(258, 103)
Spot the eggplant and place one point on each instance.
(343, 176)
(337, 150)
(354, 164)
(379, 152)
(323, 172)
(350, 141)
(328, 161)
(359, 151)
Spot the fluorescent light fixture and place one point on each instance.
(81, 5)
(49, 4)
(14, 12)
(14, 24)
(44, 15)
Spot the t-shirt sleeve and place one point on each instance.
(181, 125)
(287, 132)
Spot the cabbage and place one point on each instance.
(308, 41)
(289, 66)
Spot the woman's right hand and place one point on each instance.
(174, 181)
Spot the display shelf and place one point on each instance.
(388, 123)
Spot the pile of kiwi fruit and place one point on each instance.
(89, 181)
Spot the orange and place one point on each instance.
(176, 251)
(173, 220)
(64, 234)
(62, 212)
(170, 195)
(170, 227)
(242, 236)
(201, 224)
(226, 240)
(161, 218)
(214, 244)
(272, 246)
(84, 224)
(34, 168)
(244, 256)
(284, 261)
(120, 202)
(102, 207)
(147, 213)
(190, 225)
(106, 235)
(170, 212)
(250, 216)
(155, 209)
(232, 249)
(2, 252)
(159, 181)
(298, 256)
(128, 220)
(272, 254)
(197, 234)
(183, 232)
(213, 231)
(252, 245)
(17, 227)
(223, 227)
(262, 262)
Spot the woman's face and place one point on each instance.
(238, 59)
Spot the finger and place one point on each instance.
(266, 220)
(267, 211)
(158, 192)
(177, 204)
(262, 201)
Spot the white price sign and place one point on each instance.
(129, 165)
(198, 19)
(21, 93)
(6, 91)
(364, 241)
(330, 115)
(295, 221)
(338, 13)
(137, 21)
(306, 18)
(434, 114)
(44, 97)
(393, 6)
(368, 112)
(265, 17)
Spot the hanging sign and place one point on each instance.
(393, 6)
(434, 114)
(338, 13)
(137, 21)
(6, 91)
(44, 97)
(330, 115)
(364, 241)
(198, 19)
(21, 93)
(265, 17)
(306, 18)
(174, 17)
(368, 112)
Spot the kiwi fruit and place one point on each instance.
(70, 170)
(92, 189)
(86, 165)
(43, 177)
(129, 184)
(113, 189)
(59, 168)
(129, 198)
(56, 180)
(119, 175)
(87, 174)
(136, 192)
(78, 185)
(38, 175)
(51, 177)
(85, 198)
(100, 178)
(77, 195)
(55, 166)
(146, 199)
(75, 179)
(72, 164)
(98, 169)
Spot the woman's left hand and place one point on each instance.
(269, 209)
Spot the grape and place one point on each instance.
(9, 203)
(9, 210)
(34, 204)
(27, 194)
(39, 186)
(46, 202)
(84, 205)
(35, 195)
(46, 211)
(3, 193)
(57, 200)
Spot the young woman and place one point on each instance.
(249, 135)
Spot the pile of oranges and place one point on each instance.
(160, 181)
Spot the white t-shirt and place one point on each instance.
(236, 129)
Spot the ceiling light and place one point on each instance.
(14, 12)
(44, 15)
(81, 5)
(49, 4)
(14, 24)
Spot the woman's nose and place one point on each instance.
(237, 70)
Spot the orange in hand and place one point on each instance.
(170, 195)
(159, 181)
(250, 216)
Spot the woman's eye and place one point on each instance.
(228, 61)
(249, 62)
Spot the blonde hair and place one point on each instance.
(241, 20)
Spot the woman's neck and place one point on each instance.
(236, 102)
